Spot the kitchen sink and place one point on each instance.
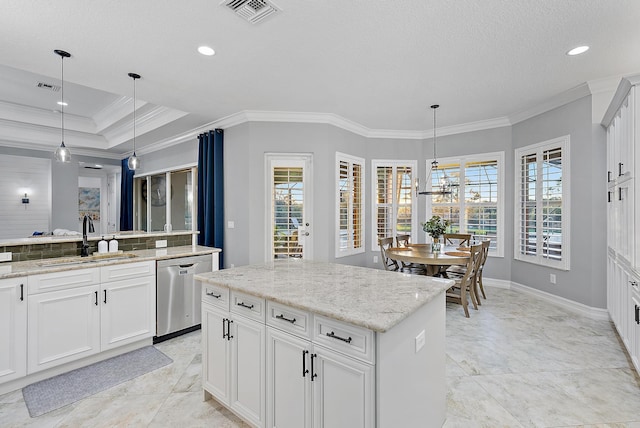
(70, 261)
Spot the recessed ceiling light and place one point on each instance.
(62, 103)
(206, 50)
(579, 50)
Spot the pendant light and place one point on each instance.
(444, 184)
(133, 161)
(62, 154)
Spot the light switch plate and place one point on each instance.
(5, 257)
(161, 243)
(231, 224)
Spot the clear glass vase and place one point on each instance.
(435, 245)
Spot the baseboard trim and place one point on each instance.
(582, 309)
(496, 283)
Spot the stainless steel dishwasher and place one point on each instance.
(178, 295)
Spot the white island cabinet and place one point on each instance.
(306, 344)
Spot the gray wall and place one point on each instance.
(244, 158)
(585, 282)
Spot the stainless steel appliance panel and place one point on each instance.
(178, 295)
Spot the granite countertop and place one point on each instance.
(371, 298)
(34, 267)
(54, 239)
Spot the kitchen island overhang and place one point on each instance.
(392, 322)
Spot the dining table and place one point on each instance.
(435, 262)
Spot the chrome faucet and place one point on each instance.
(85, 245)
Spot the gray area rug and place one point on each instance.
(59, 391)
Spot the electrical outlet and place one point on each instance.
(161, 244)
(232, 266)
(552, 278)
(420, 341)
(5, 257)
(231, 225)
(375, 259)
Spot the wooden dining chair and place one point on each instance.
(485, 254)
(465, 285)
(389, 264)
(458, 239)
(402, 240)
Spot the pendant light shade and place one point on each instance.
(133, 163)
(62, 153)
(444, 184)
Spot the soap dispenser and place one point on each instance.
(103, 247)
(113, 245)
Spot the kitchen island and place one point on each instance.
(300, 344)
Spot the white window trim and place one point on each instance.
(499, 157)
(351, 160)
(375, 163)
(564, 143)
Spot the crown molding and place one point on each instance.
(607, 84)
(556, 101)
(498, 122)
(150, 120)
(117, 110)
(50, 118)
(48, 148)
(618, 98)
(46, 135)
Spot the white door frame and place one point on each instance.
(305, 160)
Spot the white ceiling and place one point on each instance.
(378, 63)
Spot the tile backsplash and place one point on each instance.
(66, 249)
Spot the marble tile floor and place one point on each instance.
(517, 362)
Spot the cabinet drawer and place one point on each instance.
(127, 271)
(292, 320)
(215, 295)
(64, 279)
(248, 306)
(355, 341)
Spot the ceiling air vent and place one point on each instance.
(49, 86)
(253, 11)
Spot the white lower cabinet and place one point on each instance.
(64, 326)
(634, 328)
(81, 320)
(234, 356)
(13, 328)
(309, 385)
(127, 311)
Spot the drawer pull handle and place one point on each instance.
(608, 176)
(96, 298)
(282, 317)
(217, 296)
(224, 332)
(229, 337)
(304, 363)
(637, 314)
(334, 336)
(21, 292)
(244, 305)
(620, 169)
(105, 296)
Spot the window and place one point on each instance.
(393, 208)
(165, 201)
(476, 202)
(542, 207)
(350, 205)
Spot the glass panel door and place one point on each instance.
(289, 230)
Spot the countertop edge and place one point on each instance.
(31, 268)
(444, 284)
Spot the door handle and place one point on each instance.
(313, 374)
(229, 337)
(304, 363)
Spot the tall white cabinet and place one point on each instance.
(13, 328)
(622, 121)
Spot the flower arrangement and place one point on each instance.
(436, 226)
